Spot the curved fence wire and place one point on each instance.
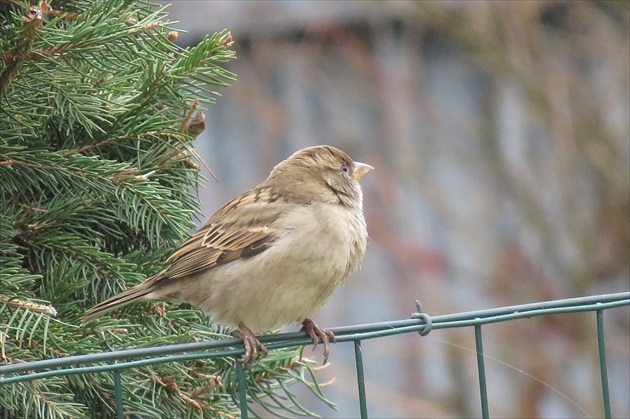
(117, 361)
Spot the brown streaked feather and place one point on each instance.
(247, 252)
(231, 233)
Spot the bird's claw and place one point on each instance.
(254, 350)
(316, 333)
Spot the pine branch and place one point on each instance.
(98, 109)
(15, 59)
(28, 305)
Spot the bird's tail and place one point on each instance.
(137, 293)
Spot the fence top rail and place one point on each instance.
(233, 347)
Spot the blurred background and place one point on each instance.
(500, 136)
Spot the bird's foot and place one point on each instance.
(254, 350)
(316, 333)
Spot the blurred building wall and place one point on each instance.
(499, 133)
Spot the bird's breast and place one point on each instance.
(331, 235)
(319, 247)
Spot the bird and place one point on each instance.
(273, 255)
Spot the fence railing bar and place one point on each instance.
(121, 365)
(118, 395)
(481, 367)
(440, 323)
(541, 308)
(358, 358)
(602, 363)
(347, 333)
(242, 389)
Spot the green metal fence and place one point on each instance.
(420, 322)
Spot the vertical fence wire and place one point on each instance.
(602, 363)
(118, 395)
(482, 373)
(358, 357)
(242, 389)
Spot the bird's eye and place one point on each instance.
(344, 168)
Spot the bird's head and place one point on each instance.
(321, 174)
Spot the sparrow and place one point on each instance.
(273, 255)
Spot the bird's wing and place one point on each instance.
(242, 228)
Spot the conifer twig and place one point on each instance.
(171, 386)
(27, 305)
(16, 58)
(122, 137)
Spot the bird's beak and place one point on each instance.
(361, 169)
